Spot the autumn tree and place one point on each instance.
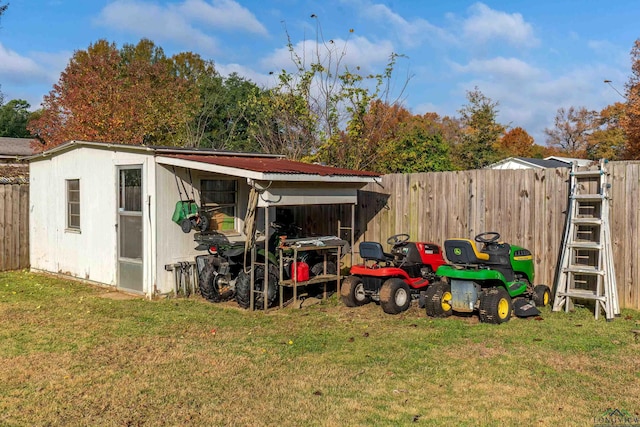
(14, 116)
(132, 96)
(516, 142)
(480, 133)
(571, 130)
(631, 120)
(608, 139)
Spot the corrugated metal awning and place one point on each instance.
(267, 169)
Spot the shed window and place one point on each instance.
(73, 204)
(219, 201)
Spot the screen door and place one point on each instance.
(130, 269)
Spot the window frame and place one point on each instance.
(204, 194)
(70, 224)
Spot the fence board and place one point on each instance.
(14, 226)
(3, 258)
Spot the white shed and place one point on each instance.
(103, 212)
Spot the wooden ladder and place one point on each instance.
(586, 264)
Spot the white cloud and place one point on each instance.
(410, 32)
(154, 22)
(16, 68)
(485, 24)
(223, 14)
(355, 52)
(500, 69)
(178, 22)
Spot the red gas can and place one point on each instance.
(300, 271)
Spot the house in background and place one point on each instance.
(103, 212)
(533, 163)
(11, 149)
(12, 171)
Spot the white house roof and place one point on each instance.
(533, 163)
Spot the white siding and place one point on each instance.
(91, 253)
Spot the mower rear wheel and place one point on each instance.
(495, 305)
(438, 300)
(395, 296)
(243, 288)
(541, 295)
(352, 292)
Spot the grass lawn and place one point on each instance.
(73, 355)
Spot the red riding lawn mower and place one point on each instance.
(392, 279)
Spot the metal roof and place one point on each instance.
(272, 165)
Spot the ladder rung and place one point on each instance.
(585, 245)
(594, 173)
(593, 221)
(588, 197)
(582, 293)
(583, 270)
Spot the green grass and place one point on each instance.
(71, 357)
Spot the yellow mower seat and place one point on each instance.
(464, 251)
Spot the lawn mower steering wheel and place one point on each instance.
(396, 239)
(488, 237)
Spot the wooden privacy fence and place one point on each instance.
(527, 207)
(14, 226)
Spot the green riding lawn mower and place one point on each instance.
(495, 281)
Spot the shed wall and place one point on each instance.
(91, 252)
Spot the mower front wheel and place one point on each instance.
(541, 295)
(352, 292)
(438, 300)
(395, 296)
(495, 305)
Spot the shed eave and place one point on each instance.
(261, 176)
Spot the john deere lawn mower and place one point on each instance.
(495, 281)
(392, 279)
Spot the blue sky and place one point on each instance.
(531, 57)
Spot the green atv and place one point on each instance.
(496, 281)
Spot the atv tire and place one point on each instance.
(395, 296)
(318, 268)
(207, 283)
(438, 300)
(495, 305)
(352, 292)
(243, 288)
(541, 295)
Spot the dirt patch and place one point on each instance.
(118, 296)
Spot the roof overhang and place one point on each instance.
(264, 176)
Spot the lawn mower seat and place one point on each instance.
(464, 251)
(372, 251)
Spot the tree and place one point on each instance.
(418, 146)
(571, 130)
(132, 96)
(608, 140)
(480, 132)
(516, 142)
(313, 111)
(3, 8)
(13, 119)
(631, 120)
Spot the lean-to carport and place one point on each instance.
(278, 182)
